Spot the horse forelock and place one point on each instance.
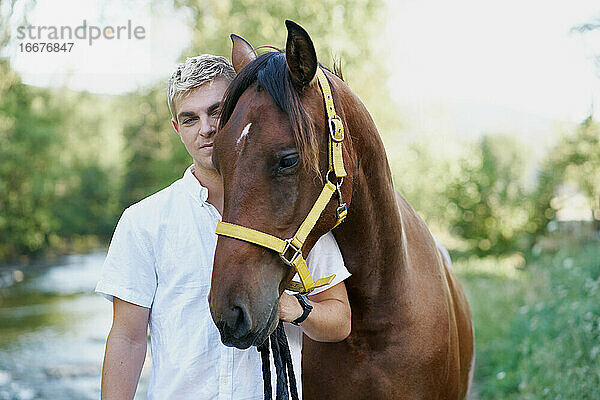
(269, 71)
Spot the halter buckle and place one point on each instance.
(332, 120)
(295, 250)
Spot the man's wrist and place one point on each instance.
(306, 307)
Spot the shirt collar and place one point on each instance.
(193, 186)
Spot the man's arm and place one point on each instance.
(125, 350)
(329, 321)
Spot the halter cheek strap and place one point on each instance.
(290, 250)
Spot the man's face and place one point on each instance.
(196, 120)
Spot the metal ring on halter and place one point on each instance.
(330, 120)
(296, 251)
(338, 181)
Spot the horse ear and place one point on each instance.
(300, 55)
(242, 53)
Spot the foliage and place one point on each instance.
(340, 29)
(421, 172)
(331, 24)
(484, 195)
(87, 206)
(548, 180)
(579, 155)
(488, 201)
(537, 329)
(29, 139)
(575, 159)
(54, 185)
(153, 153)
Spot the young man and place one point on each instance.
(158, 270)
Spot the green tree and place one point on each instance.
(575, 159)
(343, 30)
(87, 205)
(421, 173)
(154, 155)
(91, 163)
(29, 141)
(580, 156)
(488, 202)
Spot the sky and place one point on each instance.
(106, 66)
(517, 55)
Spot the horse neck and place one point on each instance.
(372, 239)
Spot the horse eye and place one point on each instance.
(287, 162)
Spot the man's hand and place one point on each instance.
(329, 321)
(289, 308)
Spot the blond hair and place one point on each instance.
(194, 72)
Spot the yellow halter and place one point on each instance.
(290, 250)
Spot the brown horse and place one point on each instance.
(412, 334)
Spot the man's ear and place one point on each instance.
(300, 55)
(175, 126)
(242, 53)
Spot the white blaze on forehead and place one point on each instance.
(243, 135)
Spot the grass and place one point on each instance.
(537, 326)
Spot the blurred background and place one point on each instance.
(490, 115)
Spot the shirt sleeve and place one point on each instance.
(129, 268)
(326, 259)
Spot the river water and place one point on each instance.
(53, 331)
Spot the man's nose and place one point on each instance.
(208, 128)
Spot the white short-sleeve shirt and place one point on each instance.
(161, 257)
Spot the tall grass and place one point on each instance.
(537, 327)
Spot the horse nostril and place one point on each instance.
(240, 318)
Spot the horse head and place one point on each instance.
(271, 150)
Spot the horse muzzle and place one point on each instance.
(239, 328)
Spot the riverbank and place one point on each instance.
(15, 271)
(77, 245)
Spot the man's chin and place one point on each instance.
(204, 163)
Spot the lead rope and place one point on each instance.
(283, 365)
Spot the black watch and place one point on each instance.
(306, 306)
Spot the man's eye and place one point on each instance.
(288, 162)
(188, 121)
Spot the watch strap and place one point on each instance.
(306, 306)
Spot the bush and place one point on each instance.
(537, 330)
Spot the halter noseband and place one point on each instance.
(290, 250)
